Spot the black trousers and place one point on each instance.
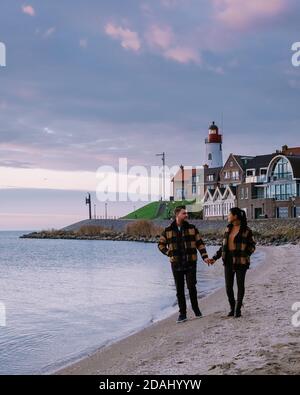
(191, 280)
(229, 281)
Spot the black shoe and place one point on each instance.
(238, 310)
(232, 307)
(198, 314)
(181, 318)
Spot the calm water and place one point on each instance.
(65, 298)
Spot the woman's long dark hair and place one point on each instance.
(241, 214)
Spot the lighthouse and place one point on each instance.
(213, 144)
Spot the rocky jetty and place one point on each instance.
(266, 232)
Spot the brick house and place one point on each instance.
(234, 171)
(272, 186)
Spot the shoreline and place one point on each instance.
(210, 240)
(265, 341)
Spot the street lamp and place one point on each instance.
(105, 210)
(182, 182)
(293, 198)
(163, 155)
(89, 203)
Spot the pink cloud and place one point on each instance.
(83, 43)
(49, 32)
(183, 55)
(160, 37)
(172, 3)
(240, 14)
(28, 9)
(129, 39)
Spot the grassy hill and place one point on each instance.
(157, 210)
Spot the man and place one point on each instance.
(180, 242)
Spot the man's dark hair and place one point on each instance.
(178, 209)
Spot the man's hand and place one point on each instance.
(209, 261)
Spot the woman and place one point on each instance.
(237, 246)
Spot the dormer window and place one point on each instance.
(263, 172)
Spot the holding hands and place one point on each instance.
(209, 261)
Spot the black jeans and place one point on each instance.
(191, 281)
(229, 281)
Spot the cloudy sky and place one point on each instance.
(89, 82)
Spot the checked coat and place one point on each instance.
(176, 247)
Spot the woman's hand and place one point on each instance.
(209, 261)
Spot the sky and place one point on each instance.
(88, 83)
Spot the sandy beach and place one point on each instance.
(263, 341)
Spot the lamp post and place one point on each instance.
(182, 182)
(89, 203)
(293, 206)
(163, 155)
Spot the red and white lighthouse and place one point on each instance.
(213, 144)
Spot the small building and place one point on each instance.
(184, 184)
(217, 202)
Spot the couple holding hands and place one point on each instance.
(181, 240)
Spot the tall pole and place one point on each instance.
(163, 155)
(89, 203)
(182, 182)
(105, 210)
(95, 216)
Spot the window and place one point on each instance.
(179, 192)
(227, 175)
(282, 170)
(193, 189)
(220, 147)
(263, 172)
(283, 212)
(246, 193)
(242, 193)
(209, 156)
(210, 177)
(231, 163)
(235, 175)
(250, 173)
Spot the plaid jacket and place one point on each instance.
(245, 246)
(191, 239)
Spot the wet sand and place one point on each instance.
(262, 341)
